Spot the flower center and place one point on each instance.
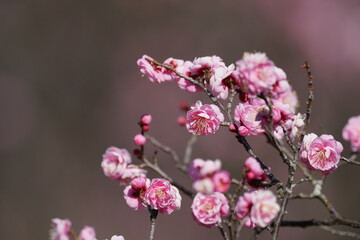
(160, 193)
(207, 206)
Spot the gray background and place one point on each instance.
(70, 88)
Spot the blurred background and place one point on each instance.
(70, 88)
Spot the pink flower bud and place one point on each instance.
(184, 106)
(136, 152)
(139, 140)
(243, 131)
(145, 128)
(146, 119)
(181, 120)
(232, 128)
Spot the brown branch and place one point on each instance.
(306, 66)
(273, 179)
(340, 232)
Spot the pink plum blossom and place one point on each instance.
(87, 233)
(156, 74)
(208, 209)
(60, 229)
(131, 172)
(222, 181)
(218, 84)
(254, 174)
(320, 153)
(115, 161)
(162, 196)
(186, 84)
(208, 177)
(257, 208)
(139, 140)
(204, 185)
(295, 125)
(134, 193)
(250, 119)
(204, 67)
(257, 73)
(351, 132)
(203, 119)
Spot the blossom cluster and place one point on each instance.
(208, 176)
(255, 78)
(158, 194)
(266, 105)
(61, 230)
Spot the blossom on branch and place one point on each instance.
(351, 132)
(162, 196)
(257, 74)
(208, 177)
(203, 119)
(208, 209)
(87, 233)
(254, 174)
(116, 165)
(60, 229)
(134, 193)
(320, 153)
(257, 208)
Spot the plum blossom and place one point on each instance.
(87, 233)
(208, 177)
(257, 208)
(218, 84)
(115, 161)
(254, 174)
(162, 196)
(222, 181)
(116, 165)
(134, 193)
(208, 209)
(320, 153)
(203, 119)
(60, 229)
(156, 74)
(351, 132)
(250, 119)
(257, 73)
(295, 125)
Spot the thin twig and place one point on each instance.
(273, 179)
(188, 149)
(200, 84)
(223, 232)
(153, 215)
(340, 232)
(306, 66)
